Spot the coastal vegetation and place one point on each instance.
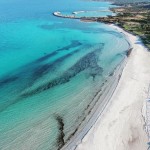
(132, 17)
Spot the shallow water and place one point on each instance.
(50, 70)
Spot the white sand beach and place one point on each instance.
(121, 126)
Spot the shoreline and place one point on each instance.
(101, 100)
(98, 108)
(120, 113)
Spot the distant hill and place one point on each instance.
(131, 1)
(127, 1)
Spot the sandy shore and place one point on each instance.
(121, 126)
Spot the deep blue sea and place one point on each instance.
(50, 70)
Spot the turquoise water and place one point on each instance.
(95, 14)
(50, 70)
